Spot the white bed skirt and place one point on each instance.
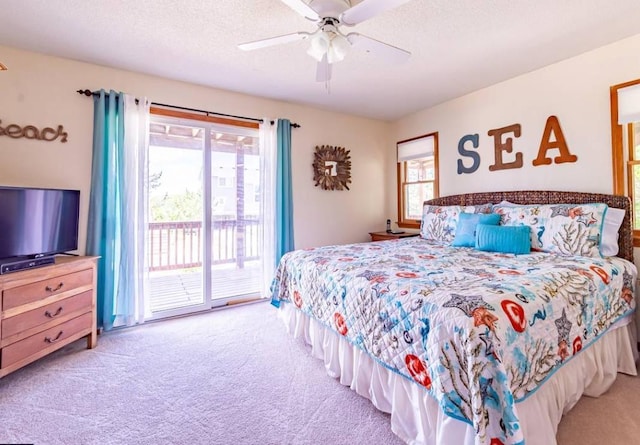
(415, 415)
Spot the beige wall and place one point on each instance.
(40, 90)
(575, 90)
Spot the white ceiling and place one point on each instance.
(457, 46)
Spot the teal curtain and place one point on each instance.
(105, 230)
(284, 191)
(284, 194)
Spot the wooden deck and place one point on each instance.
(173, 289)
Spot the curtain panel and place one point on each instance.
(284, 191)
(284, 239)
(268, 161)
(115, 225)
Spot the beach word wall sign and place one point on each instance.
(31, 132)
(552, 139)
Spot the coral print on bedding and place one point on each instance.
(439, 222)
(565, 229)
(478, 331)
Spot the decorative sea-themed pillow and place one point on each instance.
(439, 222)
(565, 229)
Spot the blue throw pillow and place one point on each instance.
(504, 239)
(466, 228)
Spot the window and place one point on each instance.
(417, 177)
(625, 136)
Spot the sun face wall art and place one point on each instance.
(332, 168)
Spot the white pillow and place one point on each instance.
(612, 222)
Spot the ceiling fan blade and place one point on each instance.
(367, 9)
(323, 72)
(380, 49)
(302, 8)
(263, 43)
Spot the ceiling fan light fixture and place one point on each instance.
(319, 46)
(338, 48)
(335, 46)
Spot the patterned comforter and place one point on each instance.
(480, 331)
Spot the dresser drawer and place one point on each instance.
(45, 314)
(42, 289)
(43, 340)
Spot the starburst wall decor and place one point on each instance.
(332, 168)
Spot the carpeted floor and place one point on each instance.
(227, 377)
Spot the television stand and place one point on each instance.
(44, 309)
(15, 265)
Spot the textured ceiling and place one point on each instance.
(457, 46)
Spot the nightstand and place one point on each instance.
(381, 236)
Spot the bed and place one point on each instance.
(469, 346)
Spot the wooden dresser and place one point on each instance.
(46, 308)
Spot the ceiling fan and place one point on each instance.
(328, 44)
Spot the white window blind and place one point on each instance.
(629, 104)
(415, 149)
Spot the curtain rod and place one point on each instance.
(89, 93)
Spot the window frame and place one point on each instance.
(623, 159)
(401, 183)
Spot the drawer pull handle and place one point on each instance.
(54, 289)
(50, 315)
(49, 340)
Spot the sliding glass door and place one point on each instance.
(235, 223)
(204, 215)
(176, 217)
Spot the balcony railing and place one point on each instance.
(178, 244)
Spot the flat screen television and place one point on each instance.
(37, 222)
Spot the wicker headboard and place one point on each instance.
(625, 234)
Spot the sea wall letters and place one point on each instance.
(503, 145)
(31, 132)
